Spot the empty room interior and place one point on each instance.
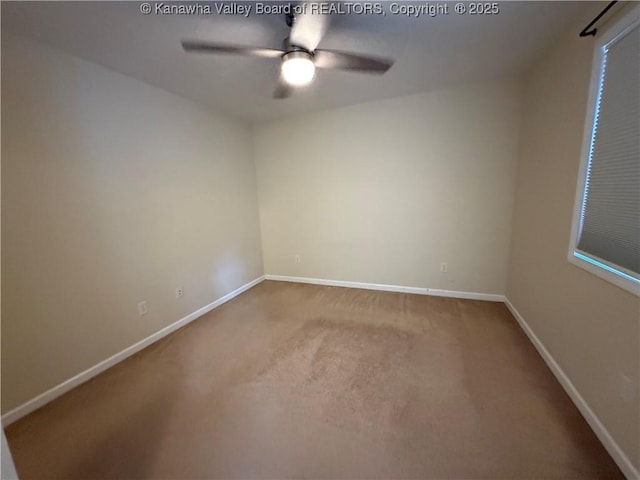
(337, 240)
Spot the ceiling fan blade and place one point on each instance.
(198, 46)
(283, 89)
(350, 61)
(308, 27)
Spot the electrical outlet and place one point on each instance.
(142, 308)
(444, 268)
(179, 292)
(298, 258)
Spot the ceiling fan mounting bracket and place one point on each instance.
(290, 19)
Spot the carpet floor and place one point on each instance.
(303, 381)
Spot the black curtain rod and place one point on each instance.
(585, 31)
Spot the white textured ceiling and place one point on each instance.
(430, 52)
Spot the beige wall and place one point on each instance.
(385, 191)
(113, 192)
(7, 468)
(589, 326)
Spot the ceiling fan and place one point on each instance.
(299, 56)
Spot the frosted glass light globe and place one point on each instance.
(298, 68)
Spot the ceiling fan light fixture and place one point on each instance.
(298, 68)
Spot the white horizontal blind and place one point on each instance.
(611, 208)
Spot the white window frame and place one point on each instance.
(592, 264)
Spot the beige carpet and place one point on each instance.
(303, 381)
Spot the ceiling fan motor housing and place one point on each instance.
(297, 53)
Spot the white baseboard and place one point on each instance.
(82, 377)
(491, 297)
(594, 422)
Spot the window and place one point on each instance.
(605, 237)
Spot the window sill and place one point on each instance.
(605, 272)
